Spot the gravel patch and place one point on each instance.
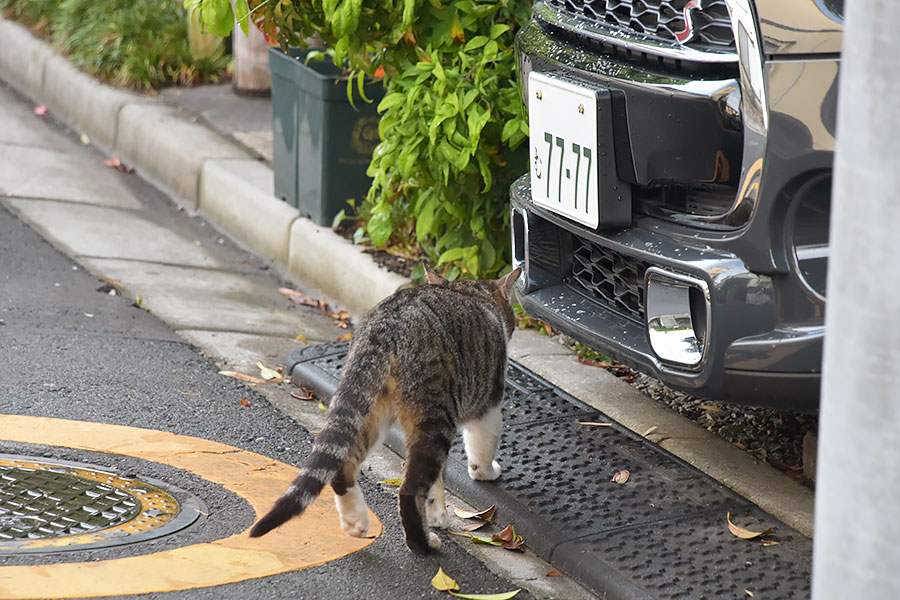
(771, 435)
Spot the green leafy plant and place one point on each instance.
(452, 121)
(31, 13)
(142, 44)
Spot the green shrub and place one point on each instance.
(141, 43)
(452, 119)
(31, 13)
(452, 122)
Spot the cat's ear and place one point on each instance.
(432, 277)
(505, 283)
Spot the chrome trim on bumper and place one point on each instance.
(671, 313)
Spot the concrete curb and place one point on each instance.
(83, 103)
(263, 225)
(169, 150)
(201, 169)
(350, 275)
(23, 58)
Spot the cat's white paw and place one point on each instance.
(353, 512)
(356, 525)
(436, 514)
(485, 473)
(434, 542)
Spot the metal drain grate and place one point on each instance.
(48, 506)
(41, 504)
(663, 534)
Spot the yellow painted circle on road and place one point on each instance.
(312, 539)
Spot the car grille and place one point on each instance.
(613, 279)
(695, 202)
(659, 19)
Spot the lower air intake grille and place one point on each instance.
(613, 279)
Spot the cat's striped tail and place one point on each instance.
(350, 405)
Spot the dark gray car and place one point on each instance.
(676, 212)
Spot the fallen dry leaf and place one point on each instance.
(345, 337)
(443, 582)
(302, 338)
(649, 431)
(483, 539)
(85, 139)
(744, 534)
(244, 402)
(322, 407)
(242, 377)
(116, 163)
(40, 110)
(507, 535)
(478, 539)
(341, 317)
(621, 476)
(299, 297)
(592, 424)
(270, 375)
(749, 593)
(509, 539)
(303, 394)
(710, 408)
(473, 525)
(487, 513)
(555, 573)
(397, 482)
(499, 596)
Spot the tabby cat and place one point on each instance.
(432, 358)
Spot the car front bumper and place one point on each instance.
(728, 341)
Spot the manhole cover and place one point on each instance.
(53, 505)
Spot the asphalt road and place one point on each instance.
(70, 350)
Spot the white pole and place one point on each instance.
(856, 551)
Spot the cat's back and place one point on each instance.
(432, 315)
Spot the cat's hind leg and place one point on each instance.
(436, 505)
(351, 504)
(481, 437)
(427, 445)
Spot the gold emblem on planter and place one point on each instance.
(365, 135)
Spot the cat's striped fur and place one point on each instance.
(432, 358)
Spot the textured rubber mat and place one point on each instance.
(662, 534)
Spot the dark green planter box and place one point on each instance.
(322, 145)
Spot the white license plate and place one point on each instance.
(562, 118)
